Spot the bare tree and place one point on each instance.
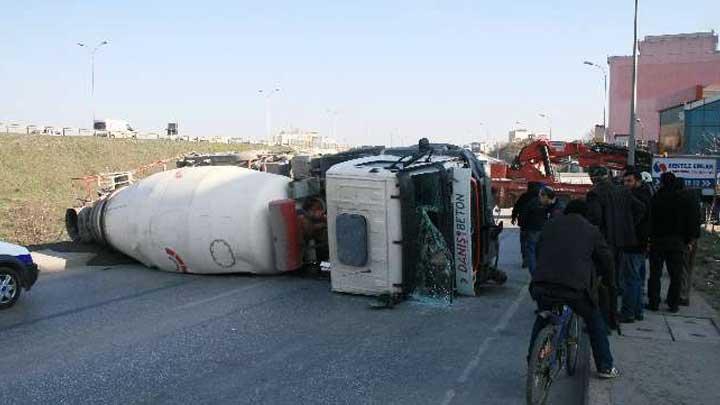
(709, 143)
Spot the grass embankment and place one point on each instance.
(706, 277)
(36, 173)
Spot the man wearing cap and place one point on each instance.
(614, 210)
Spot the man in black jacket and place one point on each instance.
(519, 213)
(571, 253)
(535, 217)
(614, 210)
(671, 232)
(634, 256)
(693, 200)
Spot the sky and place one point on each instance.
(383, 71)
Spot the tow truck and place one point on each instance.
(541, 160)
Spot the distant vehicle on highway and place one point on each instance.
(17, 272)
(113, 129)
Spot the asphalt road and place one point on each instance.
(126, 334)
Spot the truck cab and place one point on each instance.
(411, 221)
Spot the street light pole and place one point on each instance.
(333, 117)
(605, 95)
(92, 72)
(487, 135)
(642, 128)
(633, 97)
(547, 117)
(268, 113)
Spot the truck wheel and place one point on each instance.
(9, 287)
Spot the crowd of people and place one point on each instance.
(592, 255)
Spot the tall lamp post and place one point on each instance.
(487, 133)
(333, 116)
(605, 89)
(633, 97)
(268, 113)
(549, 120)
(92, 71)
(642, 127)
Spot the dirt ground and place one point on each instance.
(706, 277)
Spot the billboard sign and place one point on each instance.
(697, 172)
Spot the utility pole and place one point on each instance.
(633, 98)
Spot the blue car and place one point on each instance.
(17, 272)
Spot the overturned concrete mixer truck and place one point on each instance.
(399, 220)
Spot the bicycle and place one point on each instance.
(555, 346)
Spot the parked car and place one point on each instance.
(17, 272)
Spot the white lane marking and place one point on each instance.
(449, 397)
(485, 345)
(221, 295)
(475, 361)
(502, 324)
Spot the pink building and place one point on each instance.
(672, 69)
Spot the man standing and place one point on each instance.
(519, 213)
(616, 212)
(634, 256)
(693, 201)
(572, 254)
(671, 232)
(313, 223)
(535, 216)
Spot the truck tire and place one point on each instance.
(10, 287)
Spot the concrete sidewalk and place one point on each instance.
(665, 359)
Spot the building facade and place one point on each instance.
(302, 139)
(701, 120)
(517, 135)
(671, 69)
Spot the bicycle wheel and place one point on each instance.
(540, 373)
(572, 342)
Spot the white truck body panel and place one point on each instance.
(352, 189)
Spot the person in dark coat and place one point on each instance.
(519, 214)
(693, 197)
(671, 233)
(572, 253)
(554, 207)
(614, 210)
(535, 217)
(634, 256)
